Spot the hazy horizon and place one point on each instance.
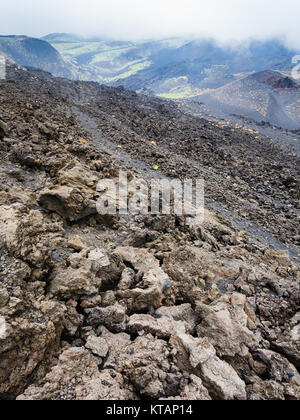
(228, 21)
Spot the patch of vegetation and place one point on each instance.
(134, 68)
(102, 61)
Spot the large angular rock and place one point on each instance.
(72, 320)
(147, 362)
(78, 176)
(225, 324)
(155, 282)
(70, 203)
(9, 221)
(75, 281)
(74, 195)
(107, 267)
(97, 345)
(289, 342)
(222, 381)
(117, 343)
(183, 313)
(279, 369)
(198, 275)
(198, 355)
(87, 272)
(29, 235)
(161, 327)
(33, 329)
(76, 377)
(112, 317)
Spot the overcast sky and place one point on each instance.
(225, 20)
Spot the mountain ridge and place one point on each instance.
(34, 52)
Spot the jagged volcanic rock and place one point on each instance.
(140, 306)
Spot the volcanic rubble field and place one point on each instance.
(141, 307)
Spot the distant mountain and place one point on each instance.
(65, 37)
(62, 37)
(264, 96)
(202, 60)
(252, 56)
(172, 68)
(33, 52)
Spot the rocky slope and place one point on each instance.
(265, 96)
(140, 307)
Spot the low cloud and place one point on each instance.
(225, 20)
